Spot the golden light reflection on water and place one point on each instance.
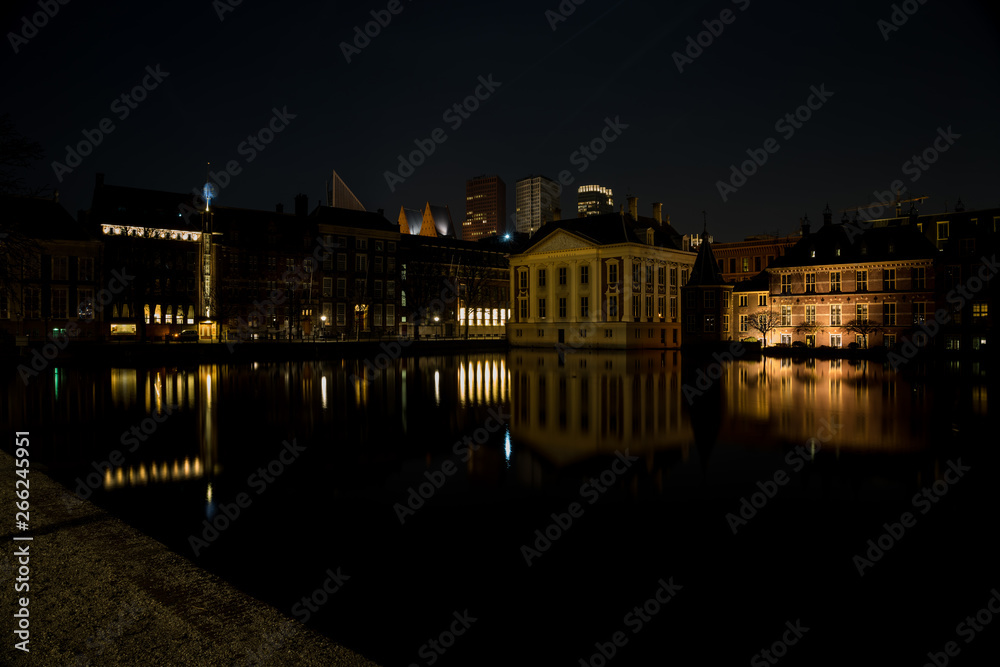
(591, 403)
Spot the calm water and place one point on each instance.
(856, 441)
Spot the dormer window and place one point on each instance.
(649, 236)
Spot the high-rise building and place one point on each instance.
(536, 202)
(594, 200)
(485, 208)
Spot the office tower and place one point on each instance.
(485, 207)
(536, 202)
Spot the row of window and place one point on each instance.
(744, 264)
(612, 307)
(359, 288)
(59, 267)
(361, 315)
(709, 323)
(638, 272)
(918, 280)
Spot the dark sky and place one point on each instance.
(608, 59)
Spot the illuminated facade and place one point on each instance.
(840, 273)
(604, 281)
(742, 260)
(594, 200)
(485, 208)
(536, 203)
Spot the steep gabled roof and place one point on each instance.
(706, 269)
(410, 221)
(440, 217)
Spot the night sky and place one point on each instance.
(892, 89)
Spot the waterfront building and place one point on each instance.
(51, 278)
(603, 281)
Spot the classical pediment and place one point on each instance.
(560, 240)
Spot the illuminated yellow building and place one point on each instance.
(603, 281)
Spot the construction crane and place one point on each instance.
(899, 203)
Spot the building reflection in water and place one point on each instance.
(166, 392)
(583, 404)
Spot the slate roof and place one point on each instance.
(610, 228)
(347, 217)
(878, 244)
(706, 269)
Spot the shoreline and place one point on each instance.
(101, 592)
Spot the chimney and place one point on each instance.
(279, 208)
(805, 225)
(55, 196)
(827, 215)
(556, 214)
(658, 212)
(301, 205)
(381, 212)
(100, 180)
(633, 207)
(666, 219)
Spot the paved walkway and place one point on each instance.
(104, 594)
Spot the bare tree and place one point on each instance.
(864, 328)
(763, 321)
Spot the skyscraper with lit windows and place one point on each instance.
(594, 200)
(485, 208)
